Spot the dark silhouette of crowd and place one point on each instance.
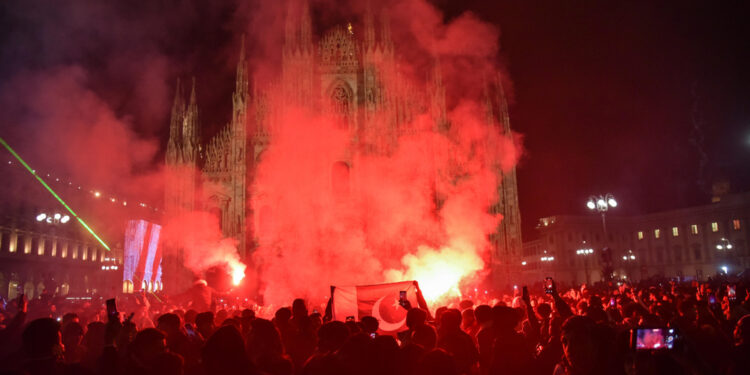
(581, 331)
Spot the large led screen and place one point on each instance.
(143, 254)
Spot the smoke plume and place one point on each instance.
(86, 88)
(330, 212)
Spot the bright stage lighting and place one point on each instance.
(591, 205)
(65, 219)
(57, 216)
(41, 217)
(612, 202)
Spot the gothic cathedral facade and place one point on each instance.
(339, 74)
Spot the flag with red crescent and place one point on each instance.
(380, 301)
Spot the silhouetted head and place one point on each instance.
(94, 337)
(148, 345)
(41, 338)
(248, 314)
(579, 341)
(742, 331)
(264, 339)
(467, 318)
(168, 323)
(204, 323)
(425, 337)
(224, 352)
(483, 314)
(283, 315)
(415, 317)
(370, 324)
(465, 304)
(70, 317)
(72, 334)
(544, 310)
(505, 318)
(450, 320)
(299, 309)
(331, 336)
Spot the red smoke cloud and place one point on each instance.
(76, 128)
(327, 213)
(95, 108)
(197, 233)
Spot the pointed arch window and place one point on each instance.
(341, 100)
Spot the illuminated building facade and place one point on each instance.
(35, 257)
(688, 243)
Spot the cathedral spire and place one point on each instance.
(241, 82)
(290, 31)
(177, 108)
(175, 123)
(385, 32)
(369, 27)
(305, 26)
(191, 125)
(503, 104)
(192, 97)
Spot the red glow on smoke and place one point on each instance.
(412, 204)
(197, 235)
(372, 201)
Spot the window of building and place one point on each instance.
(657, 233)
(677, 252)
(714, 227)
(675, 231)
(697, 254)
(12, 242)
(736, 224)
(40, 246)
(694, 229)
(640, 235)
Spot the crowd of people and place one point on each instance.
(648, 328)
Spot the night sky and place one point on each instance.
(629, 98)
(614, 96)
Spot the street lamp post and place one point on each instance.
(548, 259)
(585, 252)
(602, 203)
(629, 259)
(724, 247)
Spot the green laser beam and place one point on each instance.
(83, 223)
